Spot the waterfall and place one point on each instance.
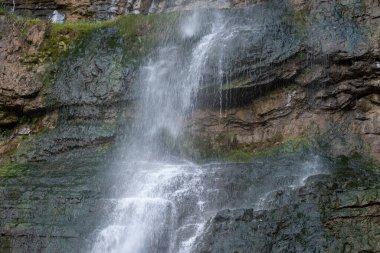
(57, 17)
(14, 6)
(146, 218)
(113, 8)
(164, 202)
(167, 86)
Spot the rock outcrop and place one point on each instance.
(21, 83)
(106, 9)
(51, 207)
(75, 111)
(315, 73)
(328, 214)
(298, 80)
(18, 85)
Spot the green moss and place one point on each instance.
(107, 128)
(288, 146)
(239, 155)
(14, 194)
(355, 160)
(136, 36)
(78, 27)
(11, 170)
(139, 32)
(5, 243)
(2, 11)
(298, 19)
(68, 36)
(203, 151)
(142, 33)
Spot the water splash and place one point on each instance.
(191, 25)
(147, 218)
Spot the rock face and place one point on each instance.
(106, 9)
(18, 85)
(298, 80)
(51, 207)
(30, 105)
(55, 206)
(21, 84)
(328, 214)
(314, 73)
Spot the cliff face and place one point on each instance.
(30, 101)
(311, 72)
(106, 9)
(315, 73)
(309, 78)
(328, 214)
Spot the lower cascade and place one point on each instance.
(165, 206)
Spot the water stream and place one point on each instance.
(113, 8)
(165, 201)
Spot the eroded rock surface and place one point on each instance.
(107, 9)
(298, 79)
(62, 105)
(52, 207)
(18, 85)
(312, 69)
(329, 214)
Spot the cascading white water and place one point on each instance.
(113, 8)
(165, 204)
(57, 17)
(146, 218)
(14, 6)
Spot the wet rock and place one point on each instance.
(51, 210)
(329, 214)
(285, 74)
(297, 80)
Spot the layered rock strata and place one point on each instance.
(106, 9)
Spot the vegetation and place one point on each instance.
(139, 33)
(297, 19)
(21, 22)
(204, 151)
(10, 170)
